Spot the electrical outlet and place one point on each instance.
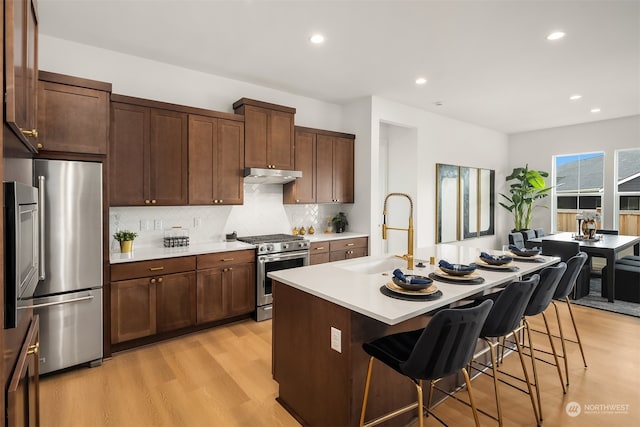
(144, 225)
(157, 224)
(336, 339)
(197, 222)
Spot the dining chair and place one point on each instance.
(445, 346)
(604, 231)
(539, 232)
(516, 239)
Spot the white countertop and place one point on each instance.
(341, 283)
(323, 237)
(147, 253)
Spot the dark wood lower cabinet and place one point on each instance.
(23, 392)
(158, 299)
(143, 307)
(226, 292)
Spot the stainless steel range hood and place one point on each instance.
(269, 176)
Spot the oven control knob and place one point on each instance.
(285, 246)
(302, 245)
(269, 248)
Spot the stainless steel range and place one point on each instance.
(275, 252)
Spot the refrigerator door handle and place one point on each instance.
(41, 207)
(48, 304)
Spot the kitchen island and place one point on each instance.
(322, 315)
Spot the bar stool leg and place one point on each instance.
(564, 349)
(528, 381)
(494, 366)
(555, 354)
(535, 370)
(366, 392)
(575, 328)
(420, 404)
(473, 405)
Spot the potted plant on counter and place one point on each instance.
(125, 237)
(528, 187)
(340, 222)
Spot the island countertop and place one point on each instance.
(355, 284)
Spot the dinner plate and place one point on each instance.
(471, 279)
(428, 290)
(510, 266)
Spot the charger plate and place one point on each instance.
(510, 266)
(470, 279)
(535, 258)
(406, 295)
(427, 290)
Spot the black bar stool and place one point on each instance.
(503, 319)
(540, 300)
(444, 347)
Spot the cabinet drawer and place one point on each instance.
(319, 248)
(320, 258)
(342, 254)
(133, 270)
(358, 242)
(225, 258)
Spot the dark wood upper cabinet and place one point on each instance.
(73, 114)
(268, 134)
(303, 190)
(331, 168)
(21, 70)
(147, 155)
(216, 161)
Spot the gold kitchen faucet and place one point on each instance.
(409, 255)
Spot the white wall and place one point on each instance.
(537, 148)
(438, 140)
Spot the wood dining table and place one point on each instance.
(607, 246)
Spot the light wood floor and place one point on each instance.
(222, 377)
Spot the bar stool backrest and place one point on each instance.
(568, 279)
(564, 250)
(447, 342)
(543, 294)
(508, 308)
(516, 239)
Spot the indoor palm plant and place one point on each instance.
(125, 237)
(527, 187)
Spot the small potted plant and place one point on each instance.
(125, 237)
(340, 222)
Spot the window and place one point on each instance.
(628, 190)
(579, 184)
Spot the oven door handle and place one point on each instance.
(283, 257)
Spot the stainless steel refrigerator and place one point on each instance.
(68, 297)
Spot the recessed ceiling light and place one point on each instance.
(421, 81)
(575, 97)
(316, 38)
(595, 110)
(556, 35)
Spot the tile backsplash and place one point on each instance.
(261, 213)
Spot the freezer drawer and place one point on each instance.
(70, 329)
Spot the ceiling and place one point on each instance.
(487, 62)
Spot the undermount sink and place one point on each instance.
(375, 265)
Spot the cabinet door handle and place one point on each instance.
(351, 244)
(227, 269)
(153, 202)
(40, 146)
(152, 280)
(146, 202)
(226, 259)
(156, 268)
(32, 133)
(33, 349)
(319, 248)
(159, 279)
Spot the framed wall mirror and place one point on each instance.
(465, 202)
